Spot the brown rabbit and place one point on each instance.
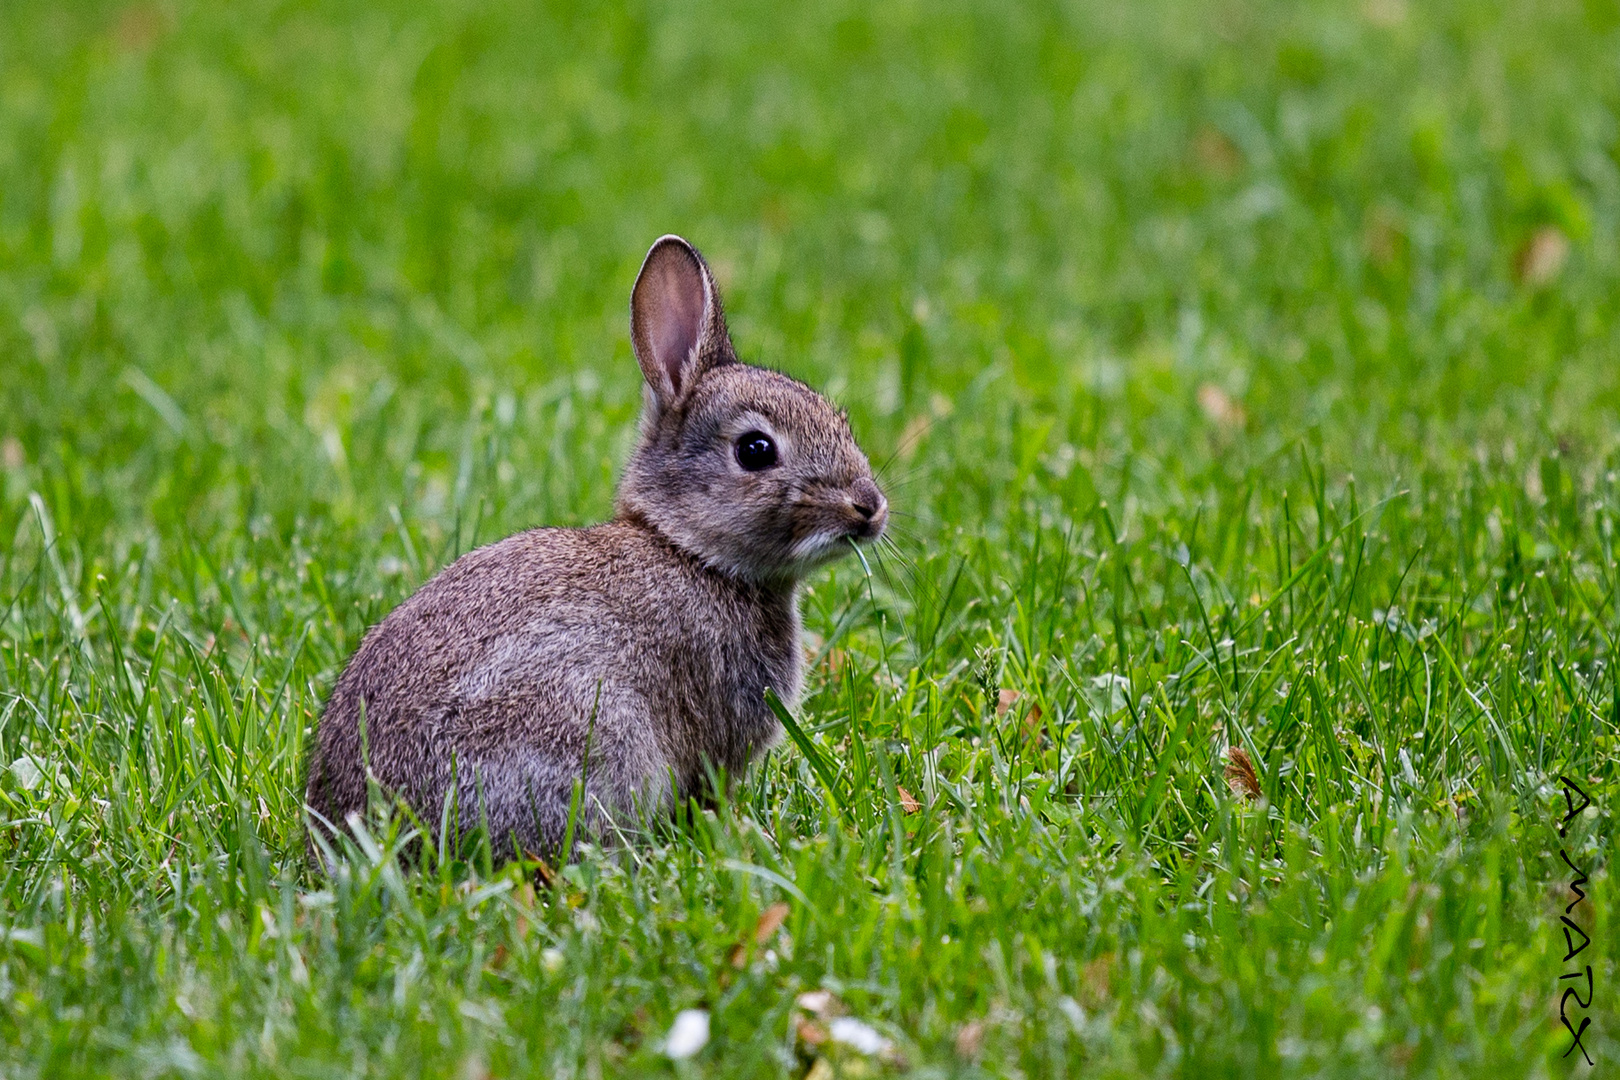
(650, 639)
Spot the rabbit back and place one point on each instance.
(555, 653)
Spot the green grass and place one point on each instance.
(1244, 375)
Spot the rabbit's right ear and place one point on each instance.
(676, 326)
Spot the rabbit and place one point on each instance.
(634, 654)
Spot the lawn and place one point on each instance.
(1246, 384)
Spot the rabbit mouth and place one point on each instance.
(866, 530)
(830, 540)
(829, 522)
(821, 547)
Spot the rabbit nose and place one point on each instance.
(865, 497)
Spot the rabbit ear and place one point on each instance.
(676, 326)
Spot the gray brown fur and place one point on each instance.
(652, 637)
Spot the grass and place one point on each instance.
(1245, 377)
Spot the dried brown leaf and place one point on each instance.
(1240, 774)
(811, 1033)
(1032, 723)
(1541, 258)
(1219, 407)
(765, 927)
(543, 877)
(1216, 154)
(770, 921)
(970, 1039)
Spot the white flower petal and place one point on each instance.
(857, 1035)
(688, 1034)
(820, 1002)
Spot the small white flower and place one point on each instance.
(858, 1035)
(688, 1034)
(820, 1002)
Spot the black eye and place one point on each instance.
(755, 451)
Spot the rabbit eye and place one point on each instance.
(755, 451)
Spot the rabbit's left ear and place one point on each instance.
(676, 326)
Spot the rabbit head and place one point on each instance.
(745, 468)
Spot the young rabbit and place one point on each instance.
(646, 643)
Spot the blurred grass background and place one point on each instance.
(1244, 375)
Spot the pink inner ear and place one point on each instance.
(679, 322)
(670, 305)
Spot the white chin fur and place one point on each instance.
(819, 547)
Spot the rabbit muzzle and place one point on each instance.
(869, 508)
(827, 518)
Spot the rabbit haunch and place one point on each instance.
(645, 644)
